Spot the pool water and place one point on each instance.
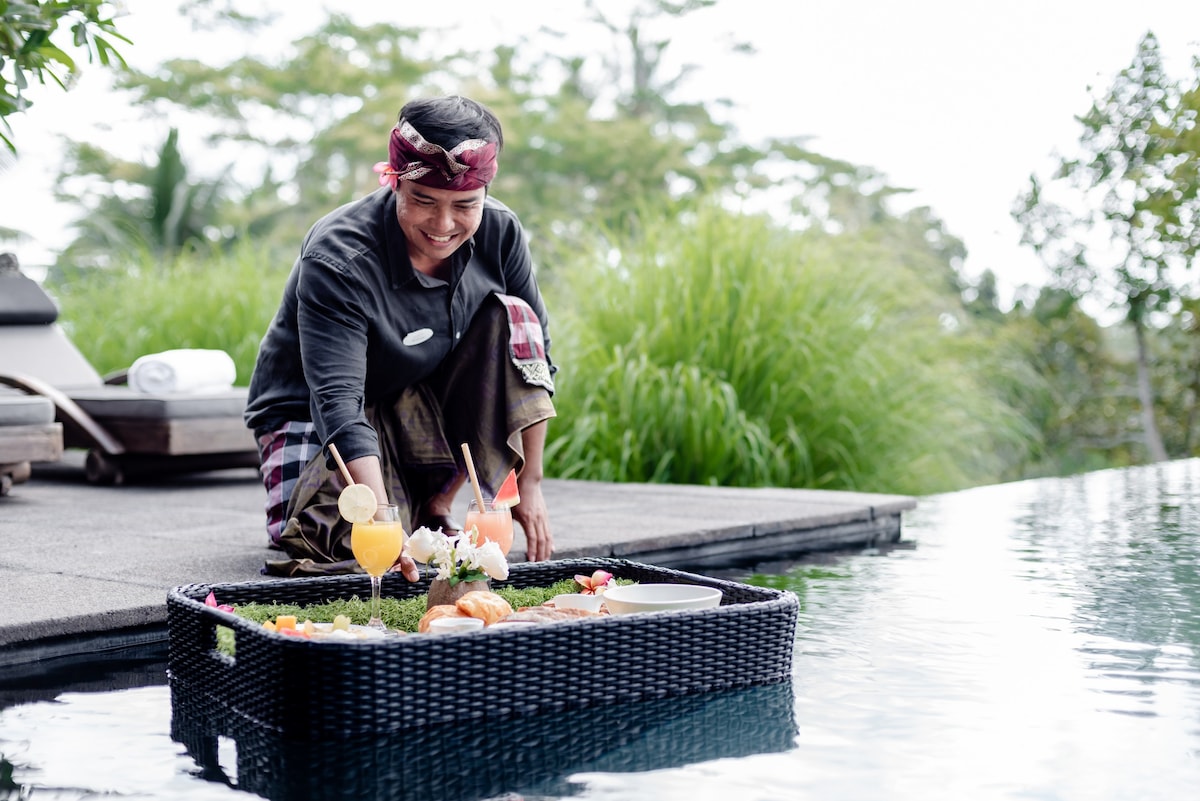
(1034, 640)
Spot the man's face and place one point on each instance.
(436, 222)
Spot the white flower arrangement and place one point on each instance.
(457, 558)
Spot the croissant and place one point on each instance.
(487, 606)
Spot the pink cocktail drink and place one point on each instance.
(494, 525)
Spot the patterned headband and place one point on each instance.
(471, 164)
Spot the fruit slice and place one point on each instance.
(507, 496)
(357, 503)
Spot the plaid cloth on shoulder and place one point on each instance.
(527, 346)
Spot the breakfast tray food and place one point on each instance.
(317, 690)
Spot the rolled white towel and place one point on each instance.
(186, 370)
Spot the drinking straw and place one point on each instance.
(337, 457)
(474, 478)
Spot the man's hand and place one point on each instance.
(534, 519)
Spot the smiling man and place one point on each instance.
(411, 323)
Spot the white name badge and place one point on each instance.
(418, 336)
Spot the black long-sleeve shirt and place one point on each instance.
(358, 323)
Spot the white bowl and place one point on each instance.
(454, 625)
(626, 598)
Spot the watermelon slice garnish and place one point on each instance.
(507, 496)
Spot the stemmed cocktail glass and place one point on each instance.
(377, 544)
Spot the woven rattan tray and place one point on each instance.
(317, 690)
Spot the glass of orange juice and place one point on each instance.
(376, 545)
(494, 524)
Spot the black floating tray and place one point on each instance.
(310, 690)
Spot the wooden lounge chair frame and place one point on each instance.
(119, 448)
(27, 435)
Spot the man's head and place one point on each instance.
(443, 143)
(441, 157)
(447, 121)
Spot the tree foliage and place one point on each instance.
(587, 138)
(32, 50)
(1073, 389)
(1116, 223)
(314, 115)
(131, 207)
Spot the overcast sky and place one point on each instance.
(957, 100)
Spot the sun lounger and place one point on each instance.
(125, 432)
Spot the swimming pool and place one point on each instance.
(1034, 640)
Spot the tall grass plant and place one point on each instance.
(718, 348)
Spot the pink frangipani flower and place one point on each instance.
(211, 600)
(594, 584)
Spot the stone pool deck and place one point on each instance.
(83, 566)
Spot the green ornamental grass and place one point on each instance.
(720, 348)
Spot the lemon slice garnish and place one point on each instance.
(357, 503)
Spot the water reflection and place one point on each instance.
(1039, 641)
(1130, 562)
(532, 755)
